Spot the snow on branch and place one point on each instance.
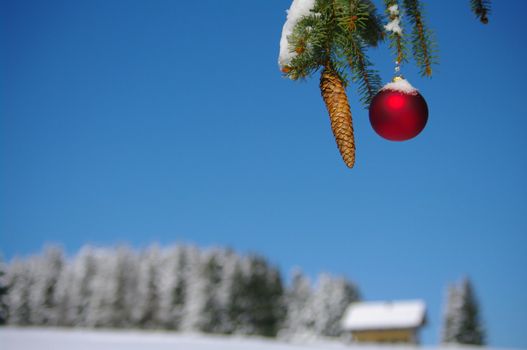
(298, 9)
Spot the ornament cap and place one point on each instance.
(397, 78)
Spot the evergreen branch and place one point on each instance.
(397, 41)
(335, 37)
(421, 37)
(308, 40)
(400, 48)
(481, 9)
(368, 78)
(371, 31)
(352, 17)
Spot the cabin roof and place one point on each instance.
(384, 315)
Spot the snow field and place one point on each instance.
(82, 339)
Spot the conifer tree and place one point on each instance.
(64, 296)
(173, 287)
(299, 318)
(195, 296)
(462, 320)
(213, 311)
(256, 302)
(180, 291)
(125, 282)
(146, 310)
(3, 292)
(471, 329)
(220, 270)
(46, 270)
(103, 290)
(19, 282)
(451, 315)
(81, 287)
(236, 304)
(331, 298)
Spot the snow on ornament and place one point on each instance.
(398, 112)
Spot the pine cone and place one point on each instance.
(334, 95)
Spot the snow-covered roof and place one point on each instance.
(384, 315)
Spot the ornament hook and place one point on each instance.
(398, 76)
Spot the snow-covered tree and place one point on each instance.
(19, 282)
(170, 292)
(173, 287)
(63, 296)
(195, 296)
(45, 272)
(451, 314)
(80, 287)
(462, 320)
(299, 319)
(110, 300)
(236, 304)
(330, 299)
(217, 271)
(147, 308)
(256, 305)
(103, 290)
(313, 312)
(3, 292)
(125, 275)
(214, 311)
(229, 261)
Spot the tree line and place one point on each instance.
(185, 288)
(181, 288)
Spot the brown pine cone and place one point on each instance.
(336, 100)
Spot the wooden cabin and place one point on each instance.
(385, 321)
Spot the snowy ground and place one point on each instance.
(74, 339)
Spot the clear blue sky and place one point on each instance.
(142, 121)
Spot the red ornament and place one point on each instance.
(398, 114)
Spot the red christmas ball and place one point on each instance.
(398, 115)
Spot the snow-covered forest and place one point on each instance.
(182, 288)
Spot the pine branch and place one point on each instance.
(397, 41)
(335, 36)
(360, 17)
(399, 45)
(309, 40)
(368, 79)
(371, 31)
(481, 9)
(354, 16)
(422, 45)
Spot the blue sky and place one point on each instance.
(165, 121)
